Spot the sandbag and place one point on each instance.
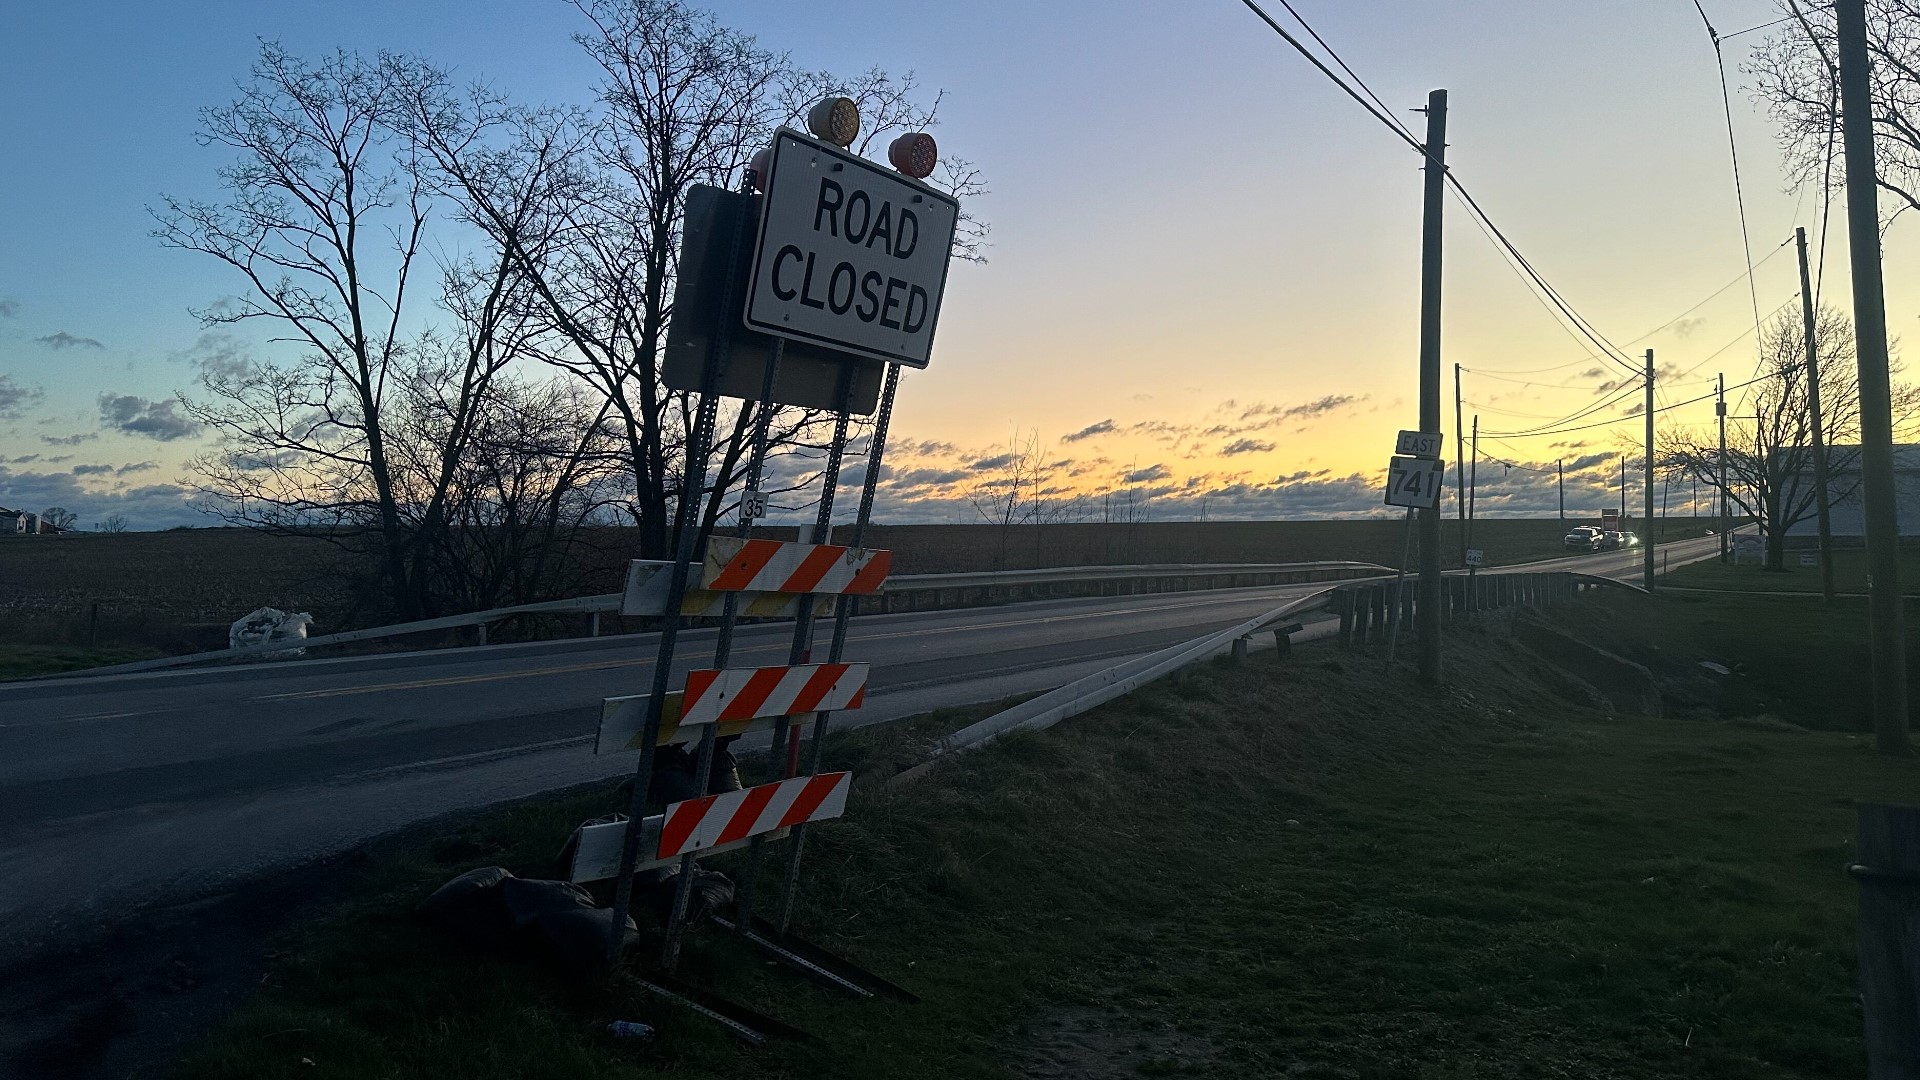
(264, 625)
(527, 899)
(577, 938)
(471, 908)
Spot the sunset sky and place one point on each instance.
(1203, 279)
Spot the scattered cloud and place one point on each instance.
(137, 416)
(1102, 428)
(15, 399)
(70, 440)
(152, 506)
(1245, 446)
(64, 340)
(9, 307)
(91, 470)
(218, 357)
(1148, 474)
(135, 467)
(1685, 328)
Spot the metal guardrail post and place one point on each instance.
(1343, 607)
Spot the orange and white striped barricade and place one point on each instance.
(646, 594)
(733, 699)
(734, 564)
(712, 823)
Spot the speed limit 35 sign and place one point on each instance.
(1414, 482)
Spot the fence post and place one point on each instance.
(1888, 874)
(1380, 612)
(1363, 614)
(1343, 606)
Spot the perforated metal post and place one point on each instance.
(723, 646)
(801, 648)
(686, 523)
(876, 452)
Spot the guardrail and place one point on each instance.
(1365, 612)
(905, 592)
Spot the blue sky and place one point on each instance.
(1187, 220)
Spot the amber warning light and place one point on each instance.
(914, 154)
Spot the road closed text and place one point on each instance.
(850, 256)
(868, 294)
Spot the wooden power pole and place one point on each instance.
(1459, 473)
(1887, 638)
(1819, 429)
(1427, 611)
(1646, 544)
(1720, 410)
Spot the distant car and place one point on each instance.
(1630, 539)
(1584, 538)
(1610, 541)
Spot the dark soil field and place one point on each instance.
(177, 591)
(935, 549)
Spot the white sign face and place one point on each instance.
(1418, 444)
(1476, 557)
(1808, 558)
(1414, 482)
(851, 254)
(753, 505)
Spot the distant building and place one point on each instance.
(1846, 511)
(19, 523)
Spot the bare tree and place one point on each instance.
(363, 432)
(323, 219)
(59, 517)
(1769, 462)
(1008, 492)
(115, 523)
(1795, 72)
(592, 204)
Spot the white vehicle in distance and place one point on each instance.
(1584, 538)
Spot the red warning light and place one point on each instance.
(757, 167)
(914, 154)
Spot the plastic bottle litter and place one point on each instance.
(628, 1029)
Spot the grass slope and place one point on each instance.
(1849, 574)
(1484, 883)
(1793, 657)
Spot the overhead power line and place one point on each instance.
(1383, 115)
(1636, 414)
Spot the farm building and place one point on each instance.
(1846, 509)
(20, 523)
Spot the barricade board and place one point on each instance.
(622, 718)
(717, 696)
(734, 564)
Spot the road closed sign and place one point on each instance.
(851, 254)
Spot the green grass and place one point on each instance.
(1793, 658)
(1487, 882)
(22, 661)
(1849, 574)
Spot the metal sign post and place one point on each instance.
(876, 452)
(686, 522)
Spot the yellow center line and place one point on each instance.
(637, 661)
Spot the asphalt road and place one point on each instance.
(121, 789)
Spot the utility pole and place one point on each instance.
(1819, 430)
(1459, 474)
(1623, 489)
(1720, 410)
(1646, 544)
(1561, 468)
(1887, 640)
(1427, 611)
(1473, 478)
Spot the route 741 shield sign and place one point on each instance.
(1414, 482)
